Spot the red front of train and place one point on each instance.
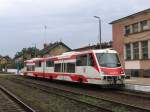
(110, 67)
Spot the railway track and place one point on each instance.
(93, 108)
(75, 95)
(134, 94)
(131, 93)
(10, 103)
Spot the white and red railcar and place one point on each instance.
(94, 66)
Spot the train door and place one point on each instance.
(30, 69)
(69, 69)
(39, 68)
(43, 67)
(49, 66)
(85, 65)
(62, 70)
(58, 69)
(91, 72)
(81, 64)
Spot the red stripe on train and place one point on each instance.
(73, 77)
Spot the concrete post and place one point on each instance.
(131, 51)
(125, 52)
(148, 49)
(140, 50)
(139, 27)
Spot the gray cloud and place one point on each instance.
(22, 21)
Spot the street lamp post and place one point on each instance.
(35, 51)
(99, 19)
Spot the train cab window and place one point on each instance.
(70, 67)
(82, 60)
(49, 63)
(90, 60)
(57, 67)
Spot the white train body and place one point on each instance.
(94, 66)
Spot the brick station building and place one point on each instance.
(131, 38)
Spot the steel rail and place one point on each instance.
(73, 92)
(14, 98)
(40, 87)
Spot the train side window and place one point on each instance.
(71, 67)
(57, 67)
(82, 60)
(90, 60)
(65, 67)
(30, 68)
(49, 63)
(33, 68)
(38, 63)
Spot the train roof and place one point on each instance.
(33, 60)
(104, 51)
(72, 54)
(90, 51)
(68, 54)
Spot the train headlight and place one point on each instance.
(122, 72)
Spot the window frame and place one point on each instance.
(81, 63)
(67, 65)
(51, 65)
(128, 51)
(38, 63)
(136, 51)
(142, 24)
(90, 60)
(127, 30)
(58, 69)
(135, 27)
(143, 48)
(30, 67)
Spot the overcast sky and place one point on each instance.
(71, 21)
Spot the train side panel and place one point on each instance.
(83, 67)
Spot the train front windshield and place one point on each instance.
(110, 60)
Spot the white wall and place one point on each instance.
(132, 65)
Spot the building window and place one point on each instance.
(144, 46)
(38, 63)
(144, 25)
(82, 60)
(49, 63)
(57, 67)
(127, 30)
(136, 50)
(128, 52)
(135, 27)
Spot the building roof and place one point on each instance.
(103, 45)
(132, 15)
(51, 46)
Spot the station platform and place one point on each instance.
(138, 83)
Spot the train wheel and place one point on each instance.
(80, 80)
(51, 78)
